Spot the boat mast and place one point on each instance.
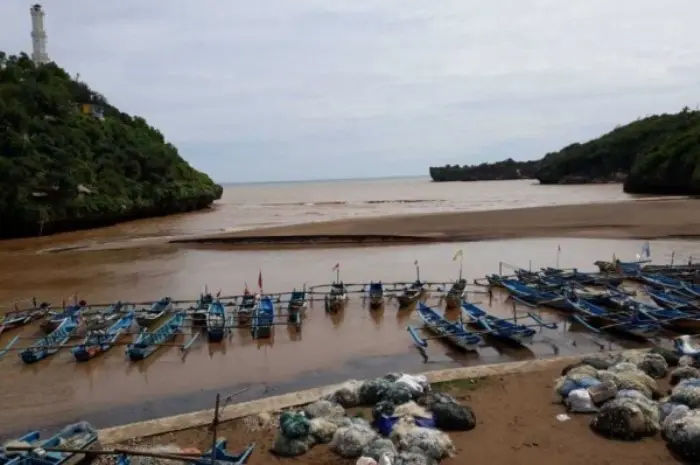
(417, 270)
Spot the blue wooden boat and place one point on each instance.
(671, 300)
(659, 281)
(148, 342)
(220, 455)
(376, 294)
(216, 321)
(454, 333)
(598, 318)
(670, 318)
(532, 296)
(50, 344)
(498, 327)
(53, 320)
(157, 313)
(248, 306)
(78, 436)
(691, 289)
(337, 297)
(97, 342)
(30, 439)
(411, 294)
(263, 319)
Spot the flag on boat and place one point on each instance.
(260, 280)
(646, 250)
(336, 266)
(459, 253)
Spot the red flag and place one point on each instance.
(336, 266)
(260, 281)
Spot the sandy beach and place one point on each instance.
(516, 423)
(642, 219)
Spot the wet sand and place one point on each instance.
(515, 424)
(110, 390)
(641, 219)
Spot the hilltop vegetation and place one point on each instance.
(502, 170)
(658, 154)
(69, 160)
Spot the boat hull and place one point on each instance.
(408, 300)
(453, 301)
(376, 301)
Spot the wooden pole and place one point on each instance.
(214, 427)
(461, 264)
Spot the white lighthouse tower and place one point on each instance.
(38, 35)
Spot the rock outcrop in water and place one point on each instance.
(658, 154)
(69, 160)
(502, 170)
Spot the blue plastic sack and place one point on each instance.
(385, 425)
(584, 382)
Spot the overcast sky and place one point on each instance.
(304, 89)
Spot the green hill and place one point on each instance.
(658, 154)
(69, 160)
(502, 170)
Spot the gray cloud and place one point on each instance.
(312, 89)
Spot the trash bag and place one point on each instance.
(324, 408)
(683, 372)
(451, 416)
(294, 425)
(398, 393)
(383, 408)
(322, 430)
(413, 458)
(348, 395)
(565, 384)
(373, 391)
(654, 365)
(380, 447)
(288, 447)
(350, 441)
(671, 357)
(683, 436)
(579, 401)
(627, 418)
(433, 443)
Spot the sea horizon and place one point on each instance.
(319, 180)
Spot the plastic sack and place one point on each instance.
(627, 418)
(417, 384)
(322, 430)
(373, 391)
(579, 401)
(366, 461)
(431, 442)
(350, 441)
(413, 458)
(565, 384)
(294, 425)
(288, 447)
(683, 436)
(385, 425)
(348, 395)
(380, 447)
(683, 372)
(630, 394)
(324, 408)
(398, 393)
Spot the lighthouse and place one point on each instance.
(38, 35)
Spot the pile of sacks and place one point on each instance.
(623, 393)
(405, 430)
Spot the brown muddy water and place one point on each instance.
(357, 343)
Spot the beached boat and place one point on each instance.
(216, 320)
(97, 342)
(220, 455)
(598, 318)
(376, 294)
(456, 293)
(670, 318)
(75, 437)
(672, 300)
(198, 314)
(454, 333)
(54, 319)
(659, 281)
(295, 307)
(17, 319)
(532, 296)
(691, 289)
(148, 342)
(498, 327)
(411, 294)
(155, 314)
(50, 344)
(337, 297)
(263, 319)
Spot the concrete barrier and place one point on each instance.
(185, 421)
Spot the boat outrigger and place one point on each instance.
(75, 438)
(497, 327)
(50, 344)
(454, 333)
(155, 314)
(148, 342)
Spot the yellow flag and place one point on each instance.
(458, 254)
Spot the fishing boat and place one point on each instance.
(263, 319)
(148, 342)
(659, 281)
(216, 321)
(598, 318)
(220, 455)
(20, 318)
(155, 314)
(75, 437)
(31, 439)
(671, 300)
(98, 341)
(53, 320)
(456, 293)
(248, 306)
(337, 297)
(670, 318)
(376, 294)
(498, 327)
(50, 344)
(295, 307)
(454, 333)
(200, 311)
(532, 296)
(691, 289)
(411, 294)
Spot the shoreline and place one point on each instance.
(640, 219)
(171, 424)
